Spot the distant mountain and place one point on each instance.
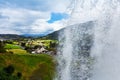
(53, 35)
(10, 36)
(15, 36)
(33, 35)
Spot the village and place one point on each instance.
(29, 46)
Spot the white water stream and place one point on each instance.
(90, 46)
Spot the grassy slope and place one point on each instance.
(12, 46)
(15, 49)
(18, 51)
(32, 67)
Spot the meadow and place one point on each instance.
(32, 67)
(17, 62)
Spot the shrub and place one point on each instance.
(7, 74)
(9, 70)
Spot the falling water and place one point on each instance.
(106, 49)
(90, 45)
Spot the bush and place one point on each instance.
(19, 74)
(9, 70)
(7, 74)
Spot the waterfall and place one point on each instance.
(106, 49)
(89, 45)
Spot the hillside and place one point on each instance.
(53, 36)
(26, 67)
(10, 36)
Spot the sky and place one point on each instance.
(32, 16)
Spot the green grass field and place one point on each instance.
(32, 67)
(12, 46)
(15, 49)
(18, 51)
(46, 43)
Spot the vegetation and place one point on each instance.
(17, 51)
(29, 67)
(46, 43)
(12, 46)
(2, 49)
(7, 74)
(16, 63)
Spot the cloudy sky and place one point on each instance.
(32, 16)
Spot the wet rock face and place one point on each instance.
(75, 52)
(80, 67)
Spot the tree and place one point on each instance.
(7, 73)
(2, 49)
(9, 70)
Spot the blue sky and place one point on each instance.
(57, 17)
(32, 16)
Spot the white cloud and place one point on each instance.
(23, 21)
(8, 31)
(20, 20)
(18, 14)
(58, 25)
(41, 26)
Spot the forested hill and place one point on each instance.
(54, 35)
(10, 36)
